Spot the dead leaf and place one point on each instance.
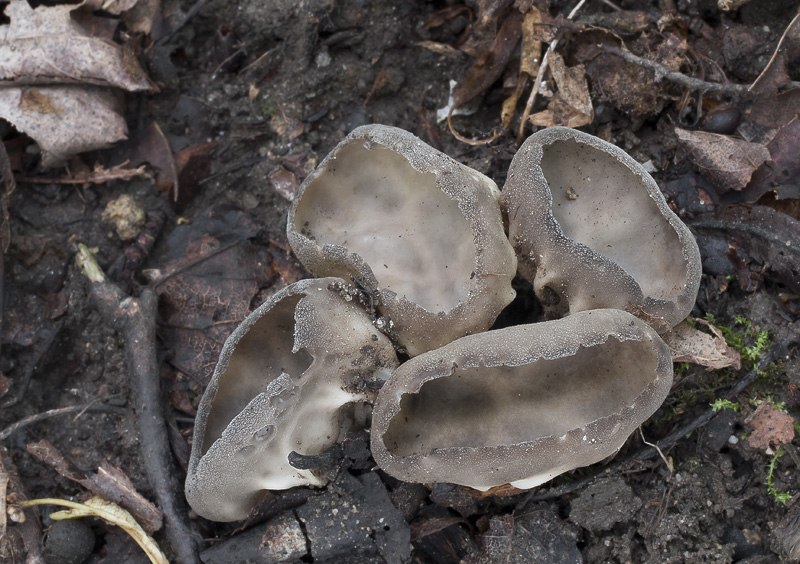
(206, 282)
(284, 182)
(630, 88)
(57, 79)
(491, 64)
(531, 58)
(150, 146)
(64, 120)
(423, 528)
(691, 345)
(115, 7)
(109, 482)
(729, 5)
(144, 18)
(530, 61)
(194, 165)
(623, 22)
(572, 105)
(439, 48)
(781, 170)
(726, 161)
(770, 427)
(760, 238)
(777, 101)
(46, 46)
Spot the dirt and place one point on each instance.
(266, 90)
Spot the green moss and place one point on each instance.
(779, 497)
(750, 343)
(720, 404)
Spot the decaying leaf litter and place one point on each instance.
(226, 111)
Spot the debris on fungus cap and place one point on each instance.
(421, 232)
(592, 230)
(294, 376)
(523, 404)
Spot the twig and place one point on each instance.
(537, 84)
(135, 319)
(778, 350)
(230, 169)
(199, 5)
(662, 72)
(27, 529)
(25, 421)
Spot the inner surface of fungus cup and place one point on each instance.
(592, 230)
(523, 404)
(420, 230)
(294, 376)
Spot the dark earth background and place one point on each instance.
(253, 94)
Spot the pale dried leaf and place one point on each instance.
(572, 105)
(438, 48)
(726, 161)
(111, 512)
(64, 120)
(115, 7)
(729, 5)
(688, 344)
(531, 57)
(46, 46)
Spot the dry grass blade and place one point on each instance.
(111, 512)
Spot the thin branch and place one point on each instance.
(135, 320)
(664, 73)
(25, 421)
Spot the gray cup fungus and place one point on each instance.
(292, 377)
(592, 230)
(420, 230)
(523, 404)
(421, 236)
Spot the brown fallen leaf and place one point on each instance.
(45, 45)
(691, 345)
(760, 239)
(64, 120)
(207, 282)
(777, 98)
(726, 161)
(770, 427)
(530, 61)
(490, 65)
(782, 168)
(284, 182)
(572, 105)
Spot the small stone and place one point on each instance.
(68, 542)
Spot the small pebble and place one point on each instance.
(68, 542)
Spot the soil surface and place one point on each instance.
(252, 96)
